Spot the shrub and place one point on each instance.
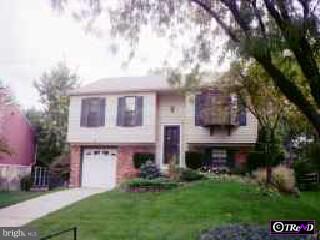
(307, 163)
(161, 183)
(193, 159)
(26, 183)
(149, 170)
(282, 178)
(301, 168)
(141, 158)
(188, 175)
(312, 153)
(255, 160)
(238, 171)
(245, 232)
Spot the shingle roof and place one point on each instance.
(145, 83)
(132, 84)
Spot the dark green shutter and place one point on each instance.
(139, 111)
(121, 111)
(231, 158)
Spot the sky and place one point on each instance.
(34, 39)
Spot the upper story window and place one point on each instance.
(130, 111)
(215, 108)
(93, 112)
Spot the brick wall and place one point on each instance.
(75, 155)
(125, 167)
(241, 157)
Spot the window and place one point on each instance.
(219, 158)
(210, 106)
(130, 111)
(92, 112)
(130, 103)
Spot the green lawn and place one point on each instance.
(177, 214)
(9, 198)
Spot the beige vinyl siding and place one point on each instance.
(196, 134)
(166, 117)
(111, 133)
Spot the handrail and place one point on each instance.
(50, 236)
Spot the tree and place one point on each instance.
(268, 105)
(5, 99)
(260, 29)
(52, 122)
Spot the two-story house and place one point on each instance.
(111, 120)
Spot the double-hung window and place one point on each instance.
(93, 112)
(130, 111)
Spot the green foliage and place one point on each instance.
(51, 123)
(189, 175)
(312, 154)
(26, 183)
(193, 159)
(274, 33)
(142, 158)
(307, 163)
(149, 170)
(268, 151)
(155, 183)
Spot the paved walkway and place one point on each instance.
(22, 213)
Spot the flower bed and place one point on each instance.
(245, 232)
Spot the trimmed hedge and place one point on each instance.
(159, 183)
(189, 175)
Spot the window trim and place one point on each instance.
(123, 122)
(100, 122)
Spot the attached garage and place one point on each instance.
(99, 168)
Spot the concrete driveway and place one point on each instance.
(22, 213)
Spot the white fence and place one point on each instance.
(10, 176)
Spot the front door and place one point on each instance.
(171, 144)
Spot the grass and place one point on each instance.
(9, 198)
(178, 214)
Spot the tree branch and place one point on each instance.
(216, 17)
(290, 90)
(258, 16)
(302, 51)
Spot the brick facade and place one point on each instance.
(125, 167)
(241, 157)
(75, 166)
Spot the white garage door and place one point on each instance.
(99, 168)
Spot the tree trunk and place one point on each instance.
(268, 175)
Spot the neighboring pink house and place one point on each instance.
(19, 135)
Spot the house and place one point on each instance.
(18, 134)
(111, 120)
